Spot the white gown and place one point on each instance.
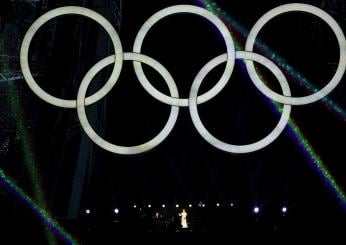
(183, 222)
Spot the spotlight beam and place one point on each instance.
(294, 130)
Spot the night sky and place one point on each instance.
(185, 168)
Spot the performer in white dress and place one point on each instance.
(183, 221)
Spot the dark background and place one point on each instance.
(184, 169)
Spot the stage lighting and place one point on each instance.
(116, 211)
(232, 204)
(177, 205)
(135, 206)
(217, 204)
(203, 205)
(163, 205)
(190, 205)
(256, 210)
(149, 206)
(284, 210)
(87, 211)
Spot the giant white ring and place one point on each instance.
(299, 7)
(192, 10)
(24, 55)
(239, 148)
(122, 149)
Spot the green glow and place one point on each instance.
(317, 161)
(37, 209)
(295, 131)
(16, 109)
(236, 28)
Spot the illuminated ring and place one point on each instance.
(239, 148)
(122, 149)
(24, 53)
(192, 10)
(341, 41)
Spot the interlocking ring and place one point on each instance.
(239, 148)
(297, 7)
(192, 10)
(122, 149)
(174, 100)
(24, 55)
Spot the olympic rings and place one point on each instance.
(173, 100)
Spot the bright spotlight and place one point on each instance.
(149, 206)
(190, 205)
(284, 210)
(256, 210)
(232, 204)
(217, 204)
(163, 205)
(203, 205)
(116, 211)
(87, 211)
(177, 205)
(135, 206)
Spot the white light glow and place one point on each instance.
(173, 99)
